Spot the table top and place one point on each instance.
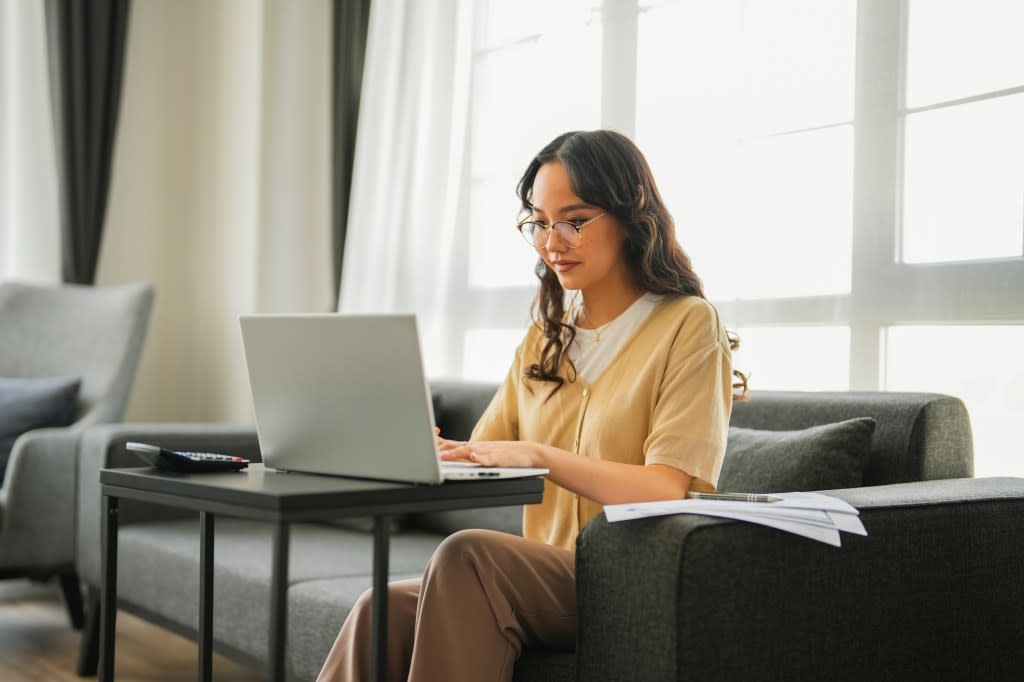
(259, 492)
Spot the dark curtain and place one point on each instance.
(86, 48)
(351, 18)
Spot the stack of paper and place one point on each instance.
(812, 515)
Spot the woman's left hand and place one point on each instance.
(492, 453)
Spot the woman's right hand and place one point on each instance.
(443, 444)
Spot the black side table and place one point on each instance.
(281, 498)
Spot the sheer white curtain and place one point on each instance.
(410, 157)
(29, 218)
(457, 98)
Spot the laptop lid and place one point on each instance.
(341, 394)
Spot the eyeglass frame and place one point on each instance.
(548, 228)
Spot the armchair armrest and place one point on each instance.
(102, 447)
(38, 500)
(934, 591)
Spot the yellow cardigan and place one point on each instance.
(664, 399)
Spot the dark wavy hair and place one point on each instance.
(606, 170)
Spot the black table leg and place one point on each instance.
(205, 596)
(379, 646)
(108, 609)
(278, 604)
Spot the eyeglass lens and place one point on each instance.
(537, 234)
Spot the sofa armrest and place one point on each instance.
(37, 501)
(102, 447)
(627, 596)
(934, 591)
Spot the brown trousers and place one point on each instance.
(483, 597)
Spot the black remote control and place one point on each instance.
(193, 462)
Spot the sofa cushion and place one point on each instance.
(27, 404)
(822, 457)
(502, 519)
(364, 524)
(317, 608)
(159, 574)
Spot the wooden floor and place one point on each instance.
(38, 644)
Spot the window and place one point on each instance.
(542, 78)
(970, 362)
(746, 109)
(536, 73)
(964, 152)
(795, 357)
(850, 189)
(488, 353)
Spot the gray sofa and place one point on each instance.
(932, 590)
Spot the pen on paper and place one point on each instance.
(733, 497)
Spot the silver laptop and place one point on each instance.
(346, 395)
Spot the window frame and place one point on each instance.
(884, 290)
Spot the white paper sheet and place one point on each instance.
(814, 501)
(848, 523)
(812, 515)
(828, 535)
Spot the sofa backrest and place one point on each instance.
(919, 436)
(458, 406)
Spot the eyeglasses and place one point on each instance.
(536, 234)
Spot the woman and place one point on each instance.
(624, 394)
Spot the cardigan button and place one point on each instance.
(586, 392)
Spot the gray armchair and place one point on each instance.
(96, 335)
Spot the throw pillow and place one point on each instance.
(819, 458)
(27, 404)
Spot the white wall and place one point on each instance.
(220, 193)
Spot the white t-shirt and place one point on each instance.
(590, 356)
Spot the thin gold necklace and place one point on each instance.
(597, 330)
